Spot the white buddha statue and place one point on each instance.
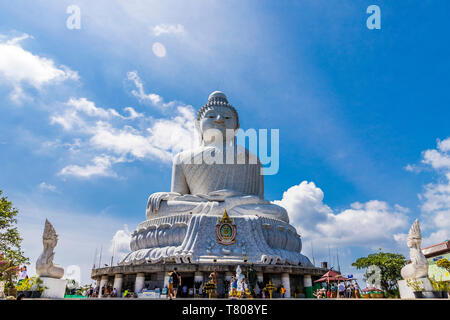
(218, 174)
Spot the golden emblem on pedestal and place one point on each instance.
(226, 230)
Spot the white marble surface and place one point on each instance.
(56, 288)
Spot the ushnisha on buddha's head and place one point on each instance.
(217, 120)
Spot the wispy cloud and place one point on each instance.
(101, 166)
(148, 98)
(168, 29)
(47, 187)
(111, 138)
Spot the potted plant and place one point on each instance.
(37, 287)
(439, 288)
(24, 286)
(416, 286)
(8, 274)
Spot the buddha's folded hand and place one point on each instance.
(155, 199)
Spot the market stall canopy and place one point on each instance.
(332, 276)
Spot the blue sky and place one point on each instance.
(363, 114)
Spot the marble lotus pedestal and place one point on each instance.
(193, 239)
(56, 288)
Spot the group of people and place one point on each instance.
(339, 290)
(107, 291)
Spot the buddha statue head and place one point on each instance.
(217, 120)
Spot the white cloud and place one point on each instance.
(126, 140)
(437, 159)
(47, 187)
(159, 141)
(168, 29)
(71, 117)
(19, 66)
(69, 120)
(101, 167)
(102, 130)
(369, 225)
(89, 108)
(304, 203)
(120, 244)
(435, 198)
(133, 113)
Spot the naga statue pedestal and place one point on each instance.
(408, 293)
(55, 288)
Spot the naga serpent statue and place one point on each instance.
(418, 268)
(44, 264)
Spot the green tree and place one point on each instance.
(389, 264)
(10, 240)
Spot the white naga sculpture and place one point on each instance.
(216, 176)
(418, 268)
(44, 264)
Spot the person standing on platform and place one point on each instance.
(176, 281)
(234, 286)
(170, 286)
(341, 290)
(356, 290)
(283, 291)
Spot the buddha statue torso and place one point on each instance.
(207, 179)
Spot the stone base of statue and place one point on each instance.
(56, 288)
(408, 293)
(198, 244)
(200, 238)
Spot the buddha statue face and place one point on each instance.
(217, 123)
